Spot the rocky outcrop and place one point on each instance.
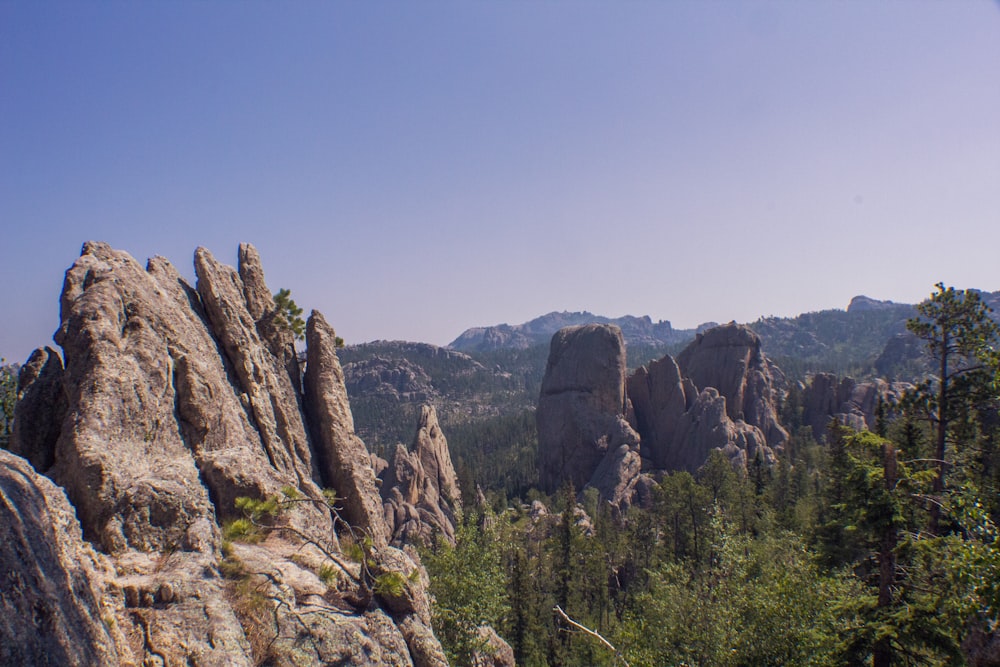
(852, 403)
(707, 426)
(399, 380)
(420, 493)
(729, 358)
(598, 430)
(660, 397)
(51, 599)
(581, 414)
(40, 409)
(342, 456)
(493, 650)
(173, 403)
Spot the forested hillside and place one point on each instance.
(869, 548)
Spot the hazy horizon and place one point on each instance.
(414, 170)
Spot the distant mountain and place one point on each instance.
(637, 331)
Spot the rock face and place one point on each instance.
(342, 456)
(707, 426)
(852, 403)
(173, 402)
(660, 397)
(420, 490)
(729, 358)
(41, 408)
(581, 414)
(50, 574)
(596, 429)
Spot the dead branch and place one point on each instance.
(582, 628)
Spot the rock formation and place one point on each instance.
(729, 358)
(41, 407)
(50, 574)
(173, 403)
(583, 436)
(660, 397)
(684, 409)
(707, 426)
(598, 430)
(852, 403)
(420, 488)
(342, 456)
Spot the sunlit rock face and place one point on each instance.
(420, 492)
(173, 402)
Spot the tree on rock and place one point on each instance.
(289, 314)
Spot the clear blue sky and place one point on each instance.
(413, 169)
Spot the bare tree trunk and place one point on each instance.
(882, 653)
(942, 435)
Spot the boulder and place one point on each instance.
(493, 650)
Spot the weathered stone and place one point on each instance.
(423, 645)
(494, 651)
(51, 592)
(420, 493)
(854, 404)
(272, 397)
(729, 358)
(278, 337)
(176, 403)
(707, 426)
(40, 410)
(659, 399)
(431, 446)
(582, 404)
(616, 476)
(121, 454)
(340, 453)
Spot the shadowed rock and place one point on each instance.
(660, 397)
(581, 415)
(854, 404)
(707, 426)
(581, 404)
(40, 409)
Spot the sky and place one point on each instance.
(415, 169)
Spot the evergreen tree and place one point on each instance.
(962, 339)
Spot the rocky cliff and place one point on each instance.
(598, 429)
(420, 488)
(583, 434)
(172, 402)
(850, 402)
